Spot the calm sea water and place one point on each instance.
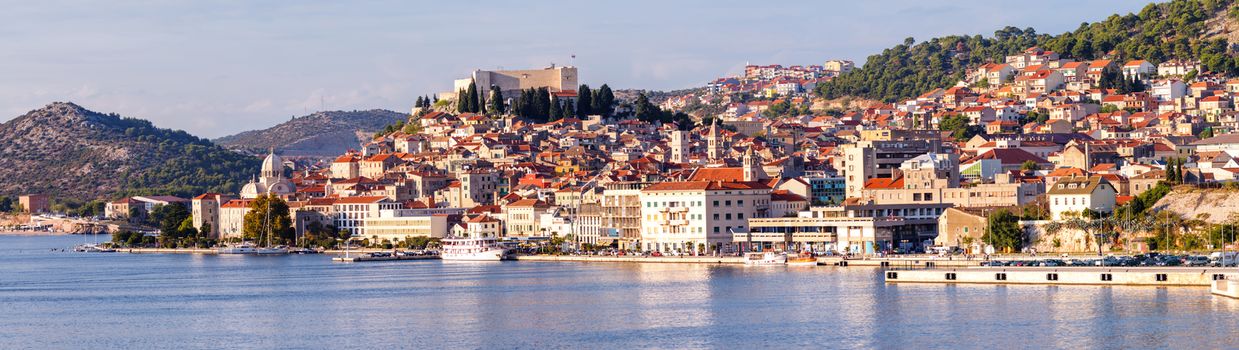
(134, 301)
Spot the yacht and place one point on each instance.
(243, 248)
(765, 259)
(473, 249)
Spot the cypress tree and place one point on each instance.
(606, 100)
(569, 109)
(462, 101)
(584, 105)
(555, 110)
(496, 100)
(418, 104)
(543, 96)
(472, 98)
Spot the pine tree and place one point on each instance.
(642, 108)
(584, 106)
(418, 104)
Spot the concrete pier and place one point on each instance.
(1122, 276)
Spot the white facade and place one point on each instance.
(698, 216)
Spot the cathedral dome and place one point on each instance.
(273, 166)
(253, 190)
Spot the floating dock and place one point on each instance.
(1117, 276)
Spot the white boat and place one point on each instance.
(272, 250)
(243, 248)
(473, 249)
(93, 248)
(765, 259)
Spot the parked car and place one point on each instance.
(1197, 261)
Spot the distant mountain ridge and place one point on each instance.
(65, 150)
(322, 134)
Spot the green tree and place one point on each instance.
(1030, 165)
(555, 110)
(170, 218)
(472, 102)
(604, 104)
(568, 110)
(1207, 133)
(584, 103)
(496, 101)
(959, 126)
(258, 223)
(1003, 231)
(462, 101)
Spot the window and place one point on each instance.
(740, 216)
(728, 216)
(716, 203)
(728, 203)
(715, 216)
(715, 229)
(740, 203)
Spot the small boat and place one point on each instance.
(473, 249)
(272, 250)
(802, 261)
(765, 259)
(93, 248)
(302, 251)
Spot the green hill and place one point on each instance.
(70, 152)
(1186, 29)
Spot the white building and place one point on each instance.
(1070, 196)
(398, 224)
(352, 212)
(698, 216)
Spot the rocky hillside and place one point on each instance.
(1214, 205)
(70, 152)
(321, 134)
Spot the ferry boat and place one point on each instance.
(765, 259)
(473, 249)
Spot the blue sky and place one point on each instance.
(216, 68)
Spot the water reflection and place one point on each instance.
(66, 300)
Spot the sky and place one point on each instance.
(215, 68)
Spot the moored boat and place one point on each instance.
(765, 259)
(802, 261)
(473, 249)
